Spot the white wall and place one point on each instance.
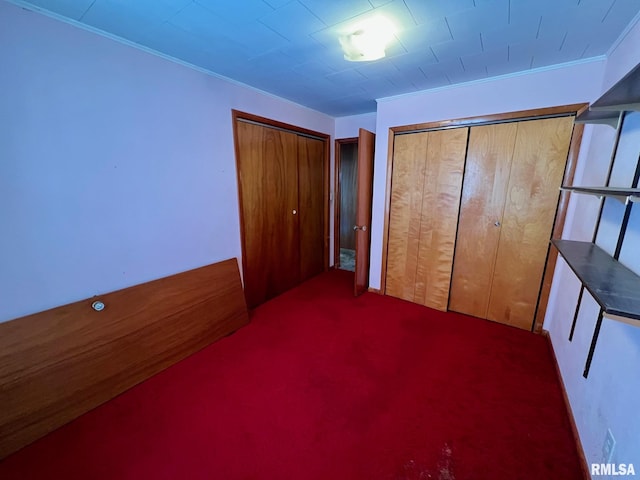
(347, 127)
(116, 166)
(608, 397)
(543, 88)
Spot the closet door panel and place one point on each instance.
(407, 182)
(311, 206)
(539, 160)
(268, 182)
(442, 187)
(483, 197)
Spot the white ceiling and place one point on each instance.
(290, 48)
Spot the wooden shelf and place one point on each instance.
(605, 117)
(624, 95)
(625, 195)
(615, 287)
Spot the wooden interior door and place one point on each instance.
(311, 205)
(483, 196)
(267, 162)
(539, 160)
(366, 146)
(425, 197)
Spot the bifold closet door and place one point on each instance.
(539, 161)
(509, 200)
(311, 205)
(483, 196)
(426, 185)
(268, 181)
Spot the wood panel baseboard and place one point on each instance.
(584, 466)
(58, 364)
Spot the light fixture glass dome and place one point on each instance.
(368, 39)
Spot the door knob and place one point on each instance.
(295, 212)
(363, 228)
(497, 224)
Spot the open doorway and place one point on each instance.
(354, 188)
(346, 202)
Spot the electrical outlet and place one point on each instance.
(608, 447)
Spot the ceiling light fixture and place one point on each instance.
(368, 39)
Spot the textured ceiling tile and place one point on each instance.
(419, 38)
(494, 13)
(237, 11)
(379, 3)
(428, 11)
(587, 15)
(414, 74)
(434, 81)
(522, 11)
(401, 82)
(332, 12)
(276, 3)
(398, 13)
(314, 68)
(130, 20)
(200, 22)
(360, 104)
(346, 77)
(545, 59)
(255, 36)
(274, 61)
(469, 76)
(454, 49)
(377, 69)
(479, 61)
(387, 87)
(620, 13)
(67, 8)
(306, 49)
(581, 45)
(175, 42)
(293, 21)
(414, 59)
(522, 31)
(447, 69)
(395, 48)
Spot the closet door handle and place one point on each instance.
(295, 212)
(363, 228)
(497, 224)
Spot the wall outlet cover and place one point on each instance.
(608, 447)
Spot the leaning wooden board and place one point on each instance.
(58, 364)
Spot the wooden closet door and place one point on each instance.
(538, 165)
(268, 181)
(311, 205)
(407, 182)
(425, 193)
(439, 217)
(483, 196)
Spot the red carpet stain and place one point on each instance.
(413, 470)
(445, 468)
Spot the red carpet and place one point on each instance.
(324, 386)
